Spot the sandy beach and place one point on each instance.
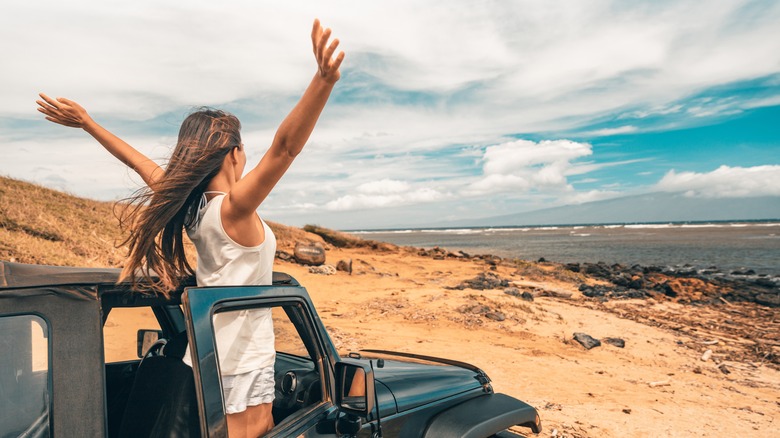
(657, 385)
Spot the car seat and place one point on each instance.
(162, 401)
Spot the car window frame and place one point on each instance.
(201, 303)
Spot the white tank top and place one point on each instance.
(245, 338)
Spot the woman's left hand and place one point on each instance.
(323, 52)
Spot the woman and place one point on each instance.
(203, 191)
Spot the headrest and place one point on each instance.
(176, 346)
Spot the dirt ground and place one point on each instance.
(658, 385)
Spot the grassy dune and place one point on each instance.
(45, 226)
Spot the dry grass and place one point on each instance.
(45, 226)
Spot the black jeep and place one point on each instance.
(59, 376)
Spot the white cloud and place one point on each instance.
(524, 165)
(627, 129)
(383, 187)
(362, 201)
(724, 182)
(454, 79)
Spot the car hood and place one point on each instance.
(417, 380)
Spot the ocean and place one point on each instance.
(729, 246)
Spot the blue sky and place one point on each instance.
(454, 110)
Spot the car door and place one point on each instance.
(303, 368)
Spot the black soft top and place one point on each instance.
(23, 276)
(20, 275)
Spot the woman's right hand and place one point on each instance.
(63, 111)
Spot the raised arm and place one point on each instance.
(248, 193)
(69, 113)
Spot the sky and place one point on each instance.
(445, 110)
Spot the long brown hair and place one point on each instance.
(157, 216)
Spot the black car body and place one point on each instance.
(55, 379)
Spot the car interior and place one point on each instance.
(155, 394)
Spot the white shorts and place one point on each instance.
(249, 389)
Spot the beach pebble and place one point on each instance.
(309, 253)
(586, 340)
(285, 256)
(515, 292)
(617, 342)
(706, 356)
(495, 316)
(344, 265)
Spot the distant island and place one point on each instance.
(647, 208)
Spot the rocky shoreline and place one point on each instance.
(685, 284)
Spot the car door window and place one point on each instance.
(120, 332)
(266, 342)
(25, 393)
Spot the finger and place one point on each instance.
(49, 100)
(48, 110)
(316, 30)
(316, 33)
(331, 49)
(65, 101)
(57, 121)
(337, 63)
(321, 44)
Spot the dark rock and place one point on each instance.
(586, 340)
(768, 299)
(600, 270)
(595, 291)
(724, 369)
(541, 260)
(479, 309)
(617, 342)
(573, 267)
(765, 282)
(665, 289)
(309, 253)
(285, 256)
(515, 292)
(743, 272)
(344, 265)
(485, 280)
(621, 280)
(686, 271)
(527, 296)
(495, 316)
(636, 283)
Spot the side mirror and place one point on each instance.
(145, 339)
(355, 388)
